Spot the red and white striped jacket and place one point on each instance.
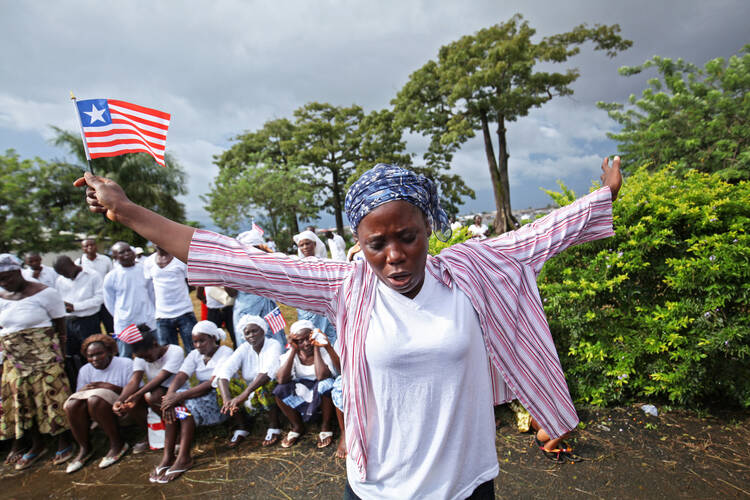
(497, 274)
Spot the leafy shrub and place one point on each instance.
(659, 311)
(459, 236)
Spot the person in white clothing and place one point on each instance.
(478, 230)
(257, 361)
(81, 291)
(129, 296)
(91, 260)
(336, 245)
(184, 409)
(308, 238)
(305, 378)
(174, 309)
(36, 271)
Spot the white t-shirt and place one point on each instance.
(211, 302)
(250, 363)
(101, 264)
(171, 362)
(84, 292)
(129, 297)
(47, 276)
(117, 373)
(430, 421)
(170, 288)
(337, 246)
(300, 371)
(36, 311)
(204, 371)
(479, 231)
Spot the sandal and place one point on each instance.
(28, 459)
(173, 474)
(108, 461)
(559, 455)
(15, 456)
(63, 455)
(272, 437)
(158, 471)
(237, 438)
(77, 465)
(290, 439)
(325, 438)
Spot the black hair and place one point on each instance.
(148, 340)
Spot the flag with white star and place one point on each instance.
(113, 128)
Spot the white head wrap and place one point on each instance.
(9, 262)
(209, 328)
(320, 247)
(300, 325)
(252, 238)
(249, 319)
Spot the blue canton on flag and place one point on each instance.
(182, 412)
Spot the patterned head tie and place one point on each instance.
(9, 262)
(250, 319)
(385, 183)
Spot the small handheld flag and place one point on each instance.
(275, 320)
(182, 412)
(130, 335)
(258, 228)
(112, 128)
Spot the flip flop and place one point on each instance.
(63, 455)
(325, 439)
(107, 461)
(272, 437)
(15, 456)
(171, 475)
(158, 471)
(237, 438)
(290, 439)
(77, 465)
(29, 459)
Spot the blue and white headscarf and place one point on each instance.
(9, 262)
(384, 183)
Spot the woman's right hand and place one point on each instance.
(102, 195)
(118, 409)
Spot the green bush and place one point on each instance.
(659, 311)
(460, 235)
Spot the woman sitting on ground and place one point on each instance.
(159, 363)
(305, 379)
(257, 360)
(183, 410)
(320, 340)
(34, 384)
(100, 382)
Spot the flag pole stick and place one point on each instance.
(83, 137)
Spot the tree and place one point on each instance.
(698, 118)
(488, 79)
(333, 141)
(37, 204)
(260, 172)
(147, 183)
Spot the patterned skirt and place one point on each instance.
(205, 409)
(304, 395)
(34, 386)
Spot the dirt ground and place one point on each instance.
(627, 455)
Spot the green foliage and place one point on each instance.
(37, 204)
(698, 118)
(661, 309)
(484, 80)
(459, 236)
(145, 181)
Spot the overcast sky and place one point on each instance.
(223, 67)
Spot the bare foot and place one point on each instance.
(341, 448)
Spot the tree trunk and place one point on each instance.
(502, 195)
(337, 205)
(510, 222)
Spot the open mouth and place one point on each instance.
(399, 280)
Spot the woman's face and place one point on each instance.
(98, 355)
(205, 344)
(254, 335)
(307, 247)
(151, 354)
(12, 280)
(302, 340)
(394, 239)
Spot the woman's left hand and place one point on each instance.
(611, 176)
(318, 338)
(170, 400)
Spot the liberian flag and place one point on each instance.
(257, 228)
(181, 412)
(275, 320)
(113, 128)
(130, 335)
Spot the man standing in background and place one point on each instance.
(37, 272)
(337, 246)
(174, 309)
(93, 261)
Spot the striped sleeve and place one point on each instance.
(310, 284)
(587, 219)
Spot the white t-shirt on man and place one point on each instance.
(430, 420)
(170, 288)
